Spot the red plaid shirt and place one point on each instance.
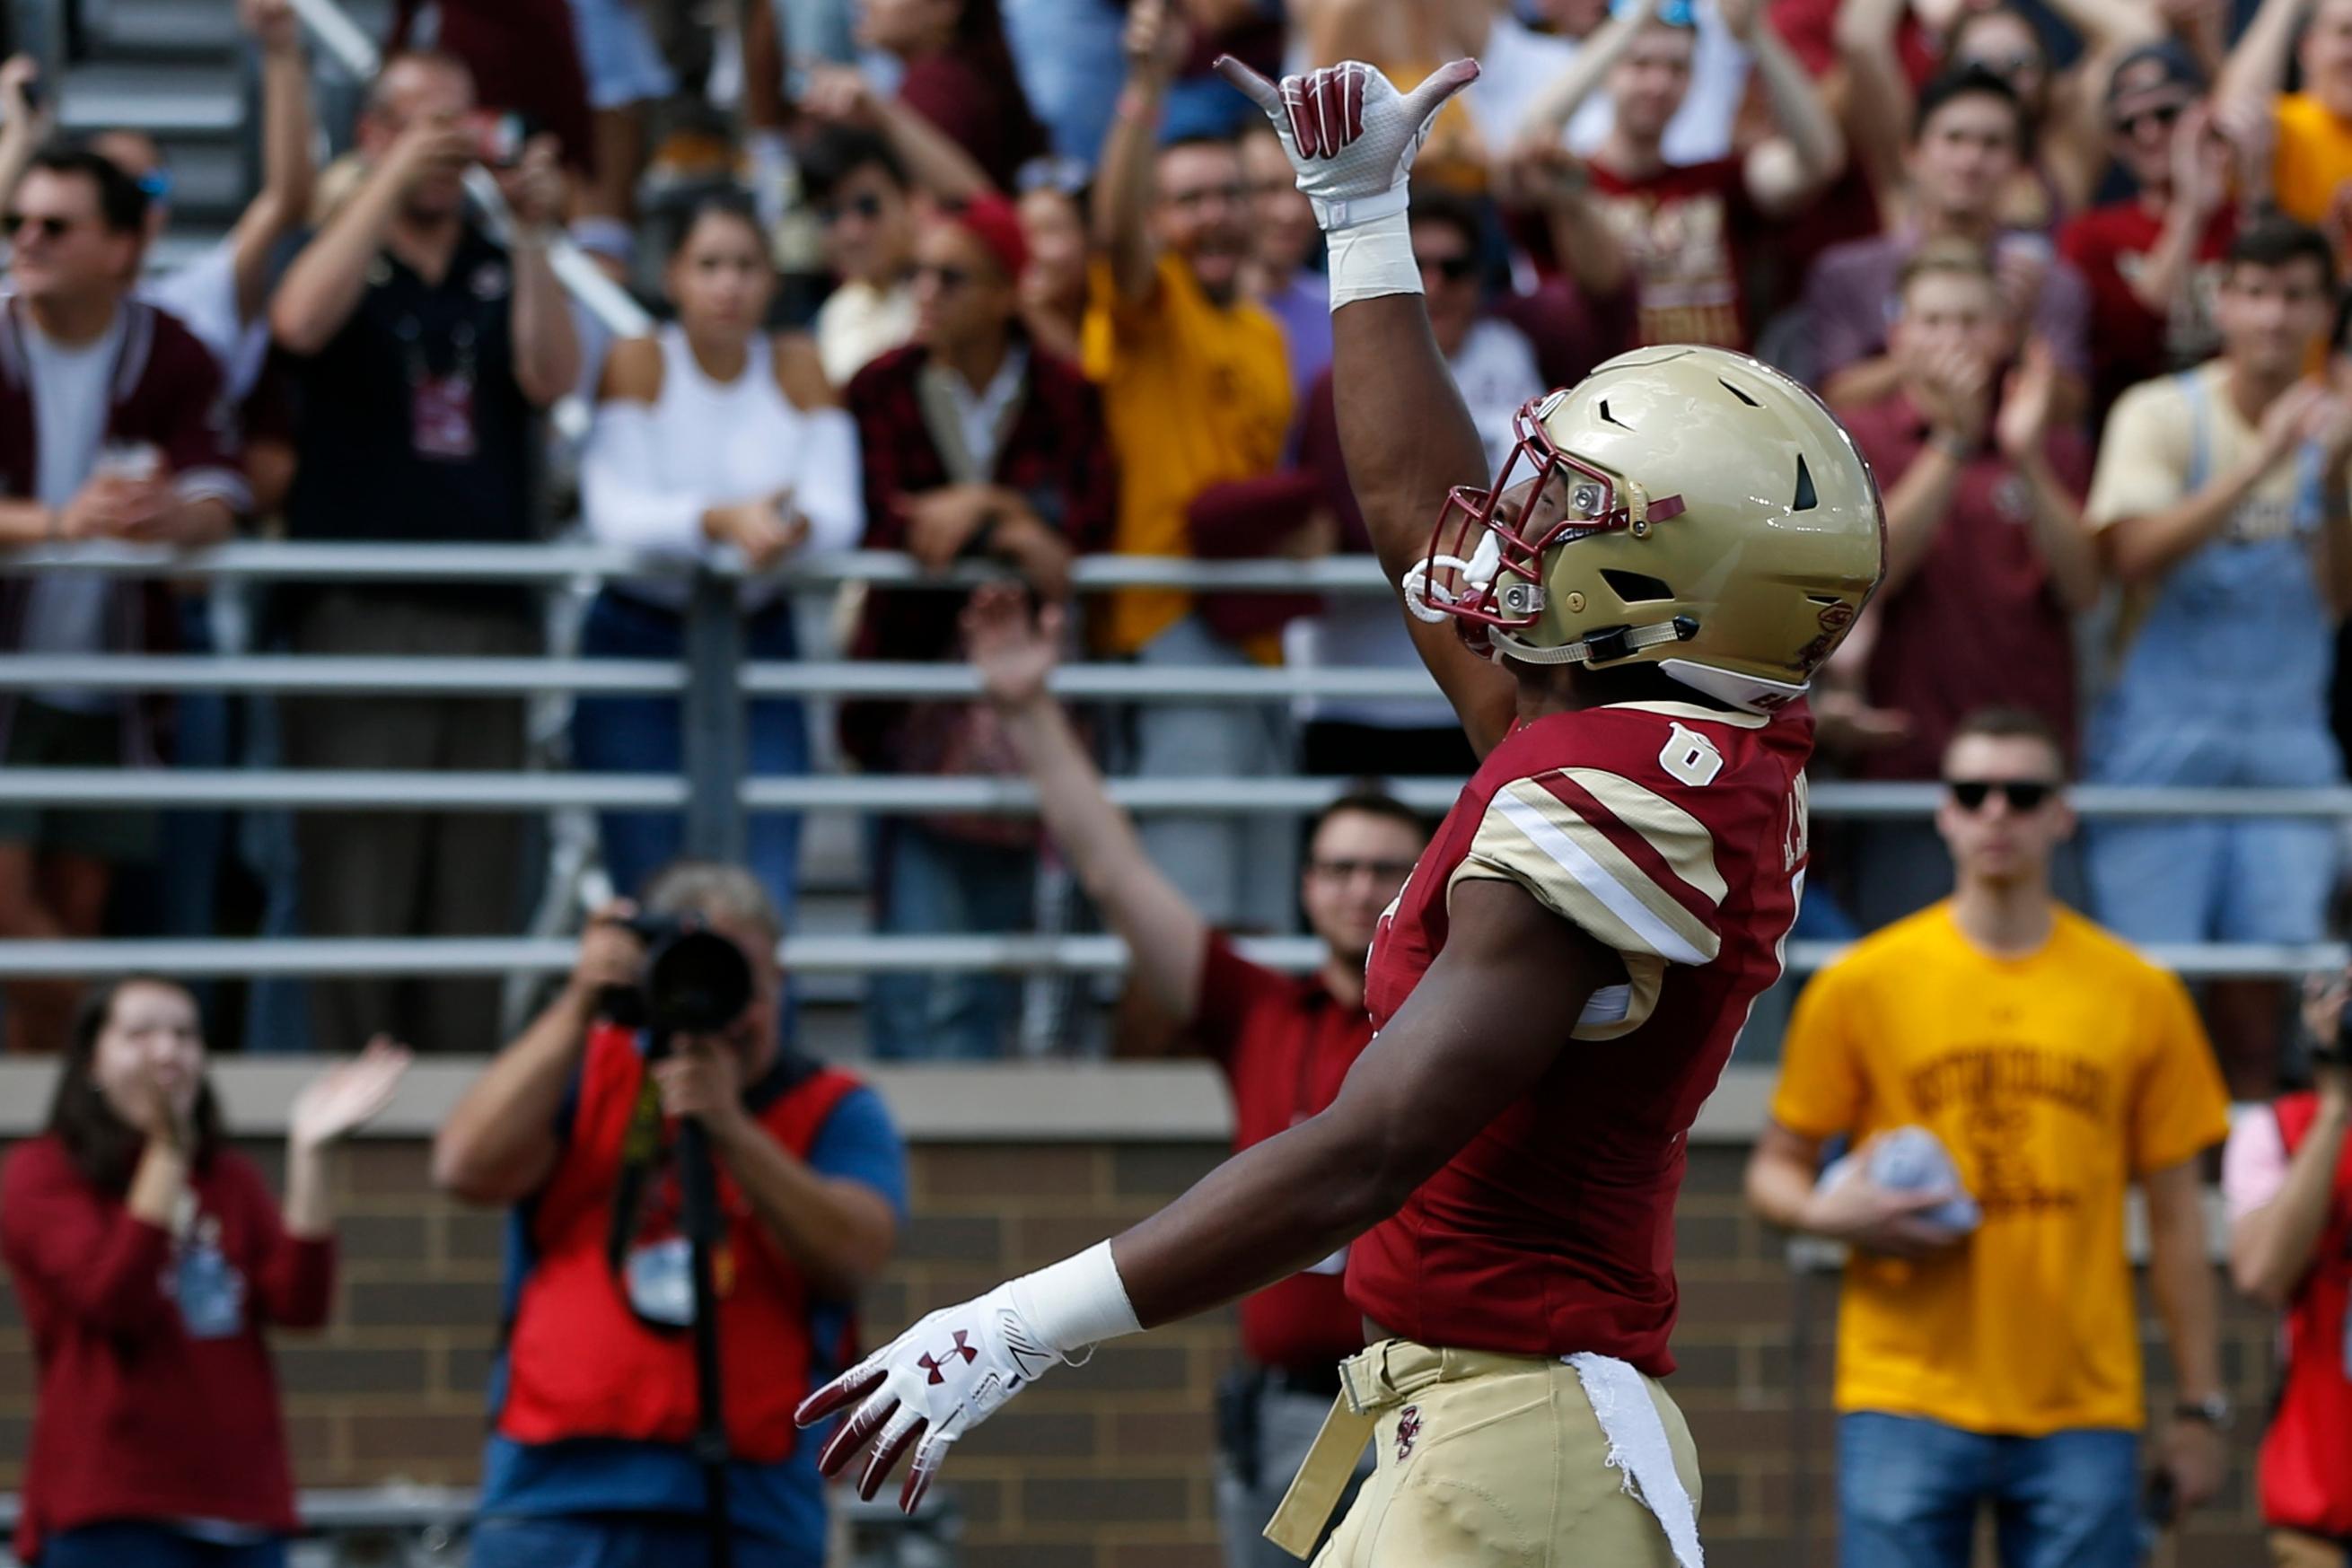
(1054, 456)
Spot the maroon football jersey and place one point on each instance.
(1674, 834)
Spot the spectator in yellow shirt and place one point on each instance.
(2311, 158)
(1196, 393)
(2056, 1067)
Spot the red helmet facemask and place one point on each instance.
(1484, 562)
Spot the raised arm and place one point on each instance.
(1404, 429)
(25, 128)
(1122, 198)
(1165, 935)
(287, 169)
(1788, 170)
(501, 1141)
(2255, 73)
(1878, 95)
(934, 160)
(546, 342)
(323, 286)
(1556, 103)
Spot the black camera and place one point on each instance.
(695, 981)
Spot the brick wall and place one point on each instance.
(1101, 1467)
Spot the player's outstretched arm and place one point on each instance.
(1486, 1021)
(1407, 435)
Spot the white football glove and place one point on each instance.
(927, 1387)
(1350, 133)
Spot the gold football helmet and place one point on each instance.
(1685, 506)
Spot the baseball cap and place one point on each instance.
(2152, 69)
(991, 220)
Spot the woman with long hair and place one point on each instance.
(714, 431)
(149, 1257)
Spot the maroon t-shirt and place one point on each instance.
(1285, 1044)
(1685, 231)
(2130, 342)
(1980, 622)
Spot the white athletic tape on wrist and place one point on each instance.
(1372, 259)
(1077, 1303)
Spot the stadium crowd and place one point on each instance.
(1020, 282)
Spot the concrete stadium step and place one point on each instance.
(170, 102)
(208, 179)
(123, 28)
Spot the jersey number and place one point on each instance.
(1691, 757)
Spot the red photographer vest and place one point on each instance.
(2306, 1469)
(580, 1364)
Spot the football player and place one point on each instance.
(1672, 552)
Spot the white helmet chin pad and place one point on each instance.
(1752, 693)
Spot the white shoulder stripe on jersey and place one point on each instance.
(1588, 874)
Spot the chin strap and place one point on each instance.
(1600, 647)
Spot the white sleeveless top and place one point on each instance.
(650, 471)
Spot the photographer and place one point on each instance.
(2289, 1189)
(577, 1125)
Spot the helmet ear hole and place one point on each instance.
(1806, 500)
(1634, 586)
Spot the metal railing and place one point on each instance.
(713, 791)
(406, 1526)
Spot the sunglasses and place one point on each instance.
(869, 207)
(48, 225)
(2164, 114)
(2023, 794)
(1453, 268)
(949, 278)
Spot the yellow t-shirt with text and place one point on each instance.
(2055, 1080)
(1194, 394)
(2312, 156)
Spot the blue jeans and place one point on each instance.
(928, 884)
(619, 1540)
(131, 1545)
(1909, 1491)
(641, 735)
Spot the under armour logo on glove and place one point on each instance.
(927, 1387)
(962, 1347)
(1350, 135)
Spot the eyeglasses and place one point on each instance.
(1453, 268)
(869, 207)
(949, 278)
(1379, 870)
(2023, 794)
(48, 224)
